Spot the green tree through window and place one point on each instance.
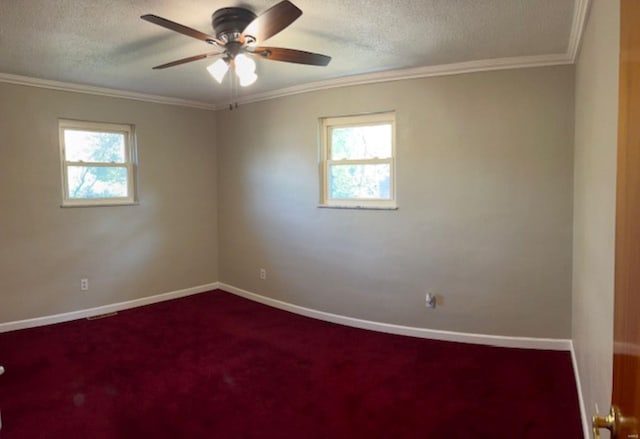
(97, 163)
(358, 160)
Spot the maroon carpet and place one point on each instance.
(219, 366)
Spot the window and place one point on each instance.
(358, 161)
(98, 163)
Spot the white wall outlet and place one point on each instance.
(263, 273)
(84, 284)
(430, 300)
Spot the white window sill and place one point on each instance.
(325, 206)
(124, 203)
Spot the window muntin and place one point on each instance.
(97, 163)
(358, 161)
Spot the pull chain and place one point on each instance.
(233, 103)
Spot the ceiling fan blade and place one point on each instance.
(177, 27)
(272, 21)
(291, 55)
(186, 60)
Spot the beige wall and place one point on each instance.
(488, 184)
(594, 201)
(485, 194)
(166, 243)
(484, 189)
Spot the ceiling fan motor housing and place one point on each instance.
(228, 23)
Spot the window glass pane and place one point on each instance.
(97, 182)
(361, 142)
(91, 146)
(360, 181)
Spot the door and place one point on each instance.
(625, 413)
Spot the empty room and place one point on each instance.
(304, 219)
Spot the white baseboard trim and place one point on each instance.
(434, 334)
(586, 425)
(105, 309)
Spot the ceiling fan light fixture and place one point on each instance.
(244, 65)
(247, 79)
(245, 68)
(239, 32)
(218, 69)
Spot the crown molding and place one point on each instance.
(413, 73)
(580, 13)
(579, 21)
(367, 78)
(101, 91)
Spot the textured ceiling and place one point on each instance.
(106, 44)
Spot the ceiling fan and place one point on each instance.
(238, 33)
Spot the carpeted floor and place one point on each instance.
(215, 365)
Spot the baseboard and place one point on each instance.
(105, 309)
(434, 334)
(586, 427)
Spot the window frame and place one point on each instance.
(130, 163)
(368, 119)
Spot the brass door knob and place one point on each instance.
(609, 422)
(616, 423)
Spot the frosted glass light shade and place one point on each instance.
(244, 65)
(218, 69)
(245, 69)
(248, 79)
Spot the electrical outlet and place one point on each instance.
(263, 274)
(84, 284)
(430, 300)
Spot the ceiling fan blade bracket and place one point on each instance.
(266, 53)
